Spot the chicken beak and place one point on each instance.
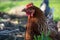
(24, 10)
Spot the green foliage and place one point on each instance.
(42, 37)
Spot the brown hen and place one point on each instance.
(36, 23)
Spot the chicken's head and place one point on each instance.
(29, 9)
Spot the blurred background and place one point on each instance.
(6, 5)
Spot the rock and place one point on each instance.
(58, 26)
(17, 11)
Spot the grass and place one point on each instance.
(5, 6)
(43, 37)
(8, 5)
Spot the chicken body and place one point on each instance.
(36, 22)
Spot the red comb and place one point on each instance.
(29, 5)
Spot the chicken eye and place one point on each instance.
(28, 10)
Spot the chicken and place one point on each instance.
(48, 12)
(45, 7)
(36, 23)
